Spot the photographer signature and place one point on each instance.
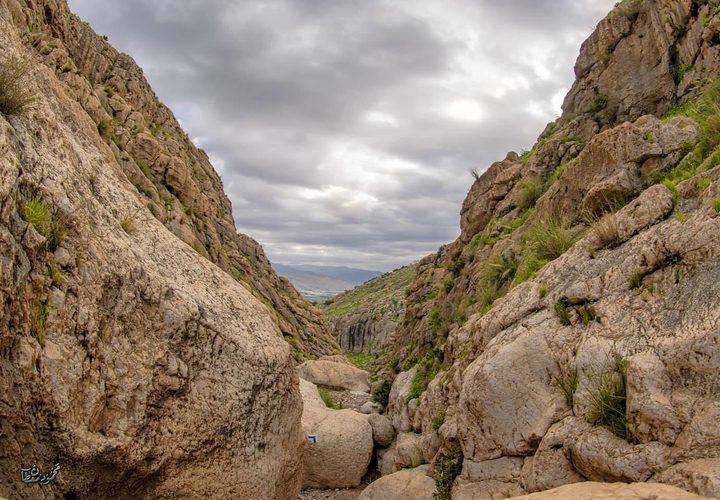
(32, 475)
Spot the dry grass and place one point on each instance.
(606, 231)
(16, 96)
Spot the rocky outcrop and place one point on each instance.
(342, 447)
(335, 372)
(570, 333)
(408, 483)
(141, 367)
(174, 180)
(619, 491)
(364, 319)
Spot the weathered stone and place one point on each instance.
(344, 443)
(616, 491)
(382, 429)
(698, 476)
(335, 374)
(408, 483)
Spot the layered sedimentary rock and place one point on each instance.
(364, 319)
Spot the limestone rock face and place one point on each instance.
(365, 318)
(619, 491)
(174, 180)
(586, 272)
(698, 476)
(140, 366)
(407, 483)
(332, 373)
(344, 446)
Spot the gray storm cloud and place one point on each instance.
(344, 131)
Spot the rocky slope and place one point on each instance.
(175, 179)
(141, 338)
(570, 334)
(364, 319)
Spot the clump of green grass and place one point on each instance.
(360, 359)
(542, 293)
(649, 136)
(559, 170)
(105, 128)
(716, 204)
(562, 311)
(526, 155)
(549, 239)
(16, 96)
(45, 222)
(447, 469)
(681, 217)
(502, 270)
(528, 269)
(570, 138)
(607, 398)
(637, 278)
(703, 183)
(527, 193)
(328, 399)
(56, 274)
(37, 321)
(568, 384)
(437, 421)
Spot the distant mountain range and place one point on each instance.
(319, 283)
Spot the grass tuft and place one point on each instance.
(607, 397)
(16, 96)
(549, 239)
(528, 191)
(562, 311)
(568, 384)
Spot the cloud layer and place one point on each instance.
(344, 131)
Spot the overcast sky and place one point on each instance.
(344, 130)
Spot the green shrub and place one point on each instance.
(570, 138)
(716, 204)
(145, 168)
(599, 103)
(649, 136)
(559, 170)
(543, 292)
(568, 384)
(528, 269)
(528, 191)
(607, 397)
(456, 268)
(549, 239)
(526, 155)
(447, 469)
(382, 394)
(636, 278)
(16, 96)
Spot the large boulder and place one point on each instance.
(333, 372)
(699, 476)
(406, 484)
(382, 429)
(343, 446)
(616, 491)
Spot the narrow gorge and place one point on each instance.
(565, 346)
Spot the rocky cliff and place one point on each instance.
(571, 332)
(141, 338)
(364, 319)
(175, 179)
